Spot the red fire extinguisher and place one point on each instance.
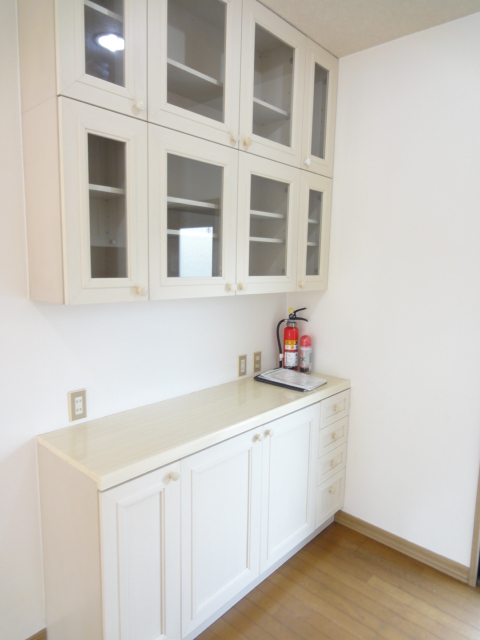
(290, 340)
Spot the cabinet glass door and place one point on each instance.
(102, 53)
(273, 63)
(320, 105)
(192, 214)
(194, 57)
(104, 170)
(267, 225)
(315, 203)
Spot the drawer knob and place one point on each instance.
(142, 291)
(233, 138)
(308, 161)
(333, 463)
(257, 437)
(241, 286)
(174, 475)
(331, 490)
(334, 436)
(230, 287)
(140, 105)
(247, 141)
(336, 408)
(269, 432)
(301, 284)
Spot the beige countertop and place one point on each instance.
(125, 445)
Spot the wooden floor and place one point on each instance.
(344, 586)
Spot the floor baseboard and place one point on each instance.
(434, 560)
(41, 635)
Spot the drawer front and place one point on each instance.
(331, 463)
(330, 496)
(332, 436)
(335, 408)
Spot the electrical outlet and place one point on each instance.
(257, 362)
(242, 366)
(77, 404)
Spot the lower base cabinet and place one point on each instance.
(178, 544)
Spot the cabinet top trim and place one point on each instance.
(122, 446)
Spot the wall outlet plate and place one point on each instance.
(242, 366)
(257, 362)
(77, 404)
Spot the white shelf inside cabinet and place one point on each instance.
(100, 9)
(265, 113)
(176, 232)
(272, 240)
(312, 221)
(193, 206)
(185, 81)
(100, 192)
(312, 244)
(266, 214)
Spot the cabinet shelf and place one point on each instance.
(192, 206)
(270, 240)
(177, 232)
(192, 84)
(265, 113)
(312, 221)
(100, 9)
(266, 214)
(312, 244)
(101, 192)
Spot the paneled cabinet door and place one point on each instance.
(314, 232)
(104, 167)
(102, 53)
(267, 226)
(193, 209)
(194, 67)
(141, 557)
(220, 525)
(288, 483)
(273, 76)
(321, 78)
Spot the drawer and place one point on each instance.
(331, 463)
(334, 408)
(332, 436)
(330, 496)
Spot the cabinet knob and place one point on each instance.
(230, 287)
(174, 475)
(336, 408)
(301, 283)
(139, 105)
(257, 437)
(142, 291)
(269, 432)
(233, 138)
(308, 161)
(334, 436)
(247, 141)
(331, 489)
(241, 286)
(333, 463)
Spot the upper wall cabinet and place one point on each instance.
(194, 67)
(91, 50)
(320, 100)
(273, 73)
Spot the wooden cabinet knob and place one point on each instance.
(301, 284)
(334, 436)
(333, 463)
(331, 490)
(233, 138)
(308, 161)
(142, 291)
(174, 475)
(139, 105)
(269, 432)
(247, 141)
(257, 437)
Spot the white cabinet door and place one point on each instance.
(267, 226)
(141, 557)
(321, 78)
(314, 232)
(194, 67)
(102, 53)
(272, 85)
(288, 483)
(104, 169)
(220, 525)
(193, 213)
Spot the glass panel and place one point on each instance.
(108, 220)
(196, 56)
(194, 204)
(319, 122)
(272, 89)
(104, 40)
(314, 234)
(268, 227)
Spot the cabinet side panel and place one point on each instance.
(71, 550)
(43, 202)
(36, 37)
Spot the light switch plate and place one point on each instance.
(77, 404)
(242, 366)
(257, 362)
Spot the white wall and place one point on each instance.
(401, 317)
(125, 355)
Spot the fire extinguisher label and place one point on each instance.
(291, 358)
(291, 345)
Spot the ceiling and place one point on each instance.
(347, 26)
